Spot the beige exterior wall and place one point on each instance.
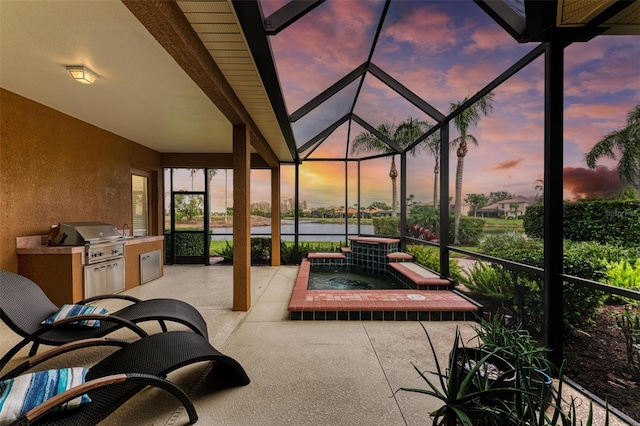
(55, 168)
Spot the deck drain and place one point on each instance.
(415, 296)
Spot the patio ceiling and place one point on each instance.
(143, 92)
(333, 61)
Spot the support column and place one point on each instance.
(444, 200)
(553, 202)
(275, 216)
(241, 219)
(403, 201)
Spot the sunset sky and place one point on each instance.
(445, 51)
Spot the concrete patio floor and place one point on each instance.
(303, 373)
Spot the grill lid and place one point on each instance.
(82, 233)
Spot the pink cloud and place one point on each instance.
(426, 20)
(489, 38)
(605, 65)
(305, 65)
(460, 85)
(508, 164)
(586, 124)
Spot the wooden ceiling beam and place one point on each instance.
(169, 26)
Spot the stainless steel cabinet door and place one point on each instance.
(150, 267)
(104, 278)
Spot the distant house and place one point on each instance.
(464, 209)
(379, 213)
(511, 208)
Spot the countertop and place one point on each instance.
(37, 244)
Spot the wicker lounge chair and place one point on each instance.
(124, 373)
(23, 307)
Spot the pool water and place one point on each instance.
(351, 280)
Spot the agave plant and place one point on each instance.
(471, 398)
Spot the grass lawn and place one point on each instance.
(502, 223)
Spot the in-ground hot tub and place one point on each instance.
(350, 279)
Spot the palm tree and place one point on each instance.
(470, 116)
(433, 146)
(402, 135)
(192, 173)
(627, 142)
(539, 189)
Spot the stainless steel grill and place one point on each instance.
(102, 241)
(104, 254)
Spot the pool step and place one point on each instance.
(328, 260)
(417, 276)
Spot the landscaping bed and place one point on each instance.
(596, 359)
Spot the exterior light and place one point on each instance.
(82, 74)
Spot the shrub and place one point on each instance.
(497, 245)
(226, 253)
(189, 244)
(420, 233)
(425, 216)
(260, 250)
(533, 221)
(491, 281)
(430, 259)
(623, 273)
(289, 255)
(581, 259)
(471, 229)
(629, 325)
(386, 226)
(605, 221)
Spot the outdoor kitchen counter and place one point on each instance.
(37, 244)
(137, 251)
(59, 270)
(139, 240)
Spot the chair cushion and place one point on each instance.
(19, 395)
(67, 311)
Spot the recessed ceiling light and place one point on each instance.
(82, 74)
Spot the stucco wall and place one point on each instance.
(55, 168)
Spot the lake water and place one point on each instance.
(315, 231)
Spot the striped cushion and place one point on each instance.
(19, 395)
(67, 311)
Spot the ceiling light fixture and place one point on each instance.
(82, 74)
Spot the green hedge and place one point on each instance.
(605, 221)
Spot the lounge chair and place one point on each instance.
(24, 306)
(125, 372)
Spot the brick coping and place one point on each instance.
(418, 274)
(410, 300)
(319, 255)
(399, 256)
(374, 240)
